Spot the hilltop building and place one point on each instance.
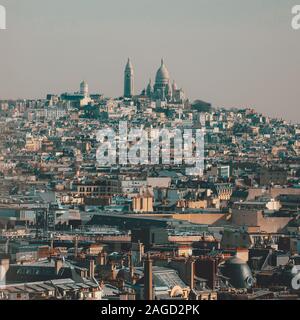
(128, 80)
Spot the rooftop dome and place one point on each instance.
(238, 272)
(162, 75)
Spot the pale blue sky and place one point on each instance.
(229, 52)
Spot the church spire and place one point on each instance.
(149, 89)
(129, 64)
(129, 80)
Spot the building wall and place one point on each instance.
(159, 182)
(200, 204)
(203, 218)
(268, 176)
(102, 188)
(142, 204)
(235, 239)
(255, 218)
(244, 217)
(198, 218)
(273, 192)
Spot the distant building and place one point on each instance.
(84, 88)
(143, 202)
(273, 176)
(101, 188)
(150, 236)
(166, 285)
(128, 80)
(76, 99)
(33, 144)
(163, 89)
(224, 171)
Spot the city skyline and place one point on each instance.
(231, 55)
(150, 151)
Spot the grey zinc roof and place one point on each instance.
(36, 287)
(167, 278)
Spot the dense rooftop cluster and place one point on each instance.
(74, 228)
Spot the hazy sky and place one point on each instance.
(232, 53)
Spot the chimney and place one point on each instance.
(7, 246)
(113, 272)
(102, 258)
(58, 265)
(190, 271)
(148, 289)
(141, 251)
(131, 267)
(4, 266)
(76, 247)
(92, 268)
(129, 260)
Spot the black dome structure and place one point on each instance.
(238, 272)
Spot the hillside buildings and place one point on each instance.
(72, 228)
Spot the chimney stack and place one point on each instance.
(129, 260)
(92, 268)
(131, 266)
(7, 247)
(148, 278)
(58, 265)
(191, 272)
(102, 258)
(113, 271)
(76, 247)
(141, 250)
(4, 266)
